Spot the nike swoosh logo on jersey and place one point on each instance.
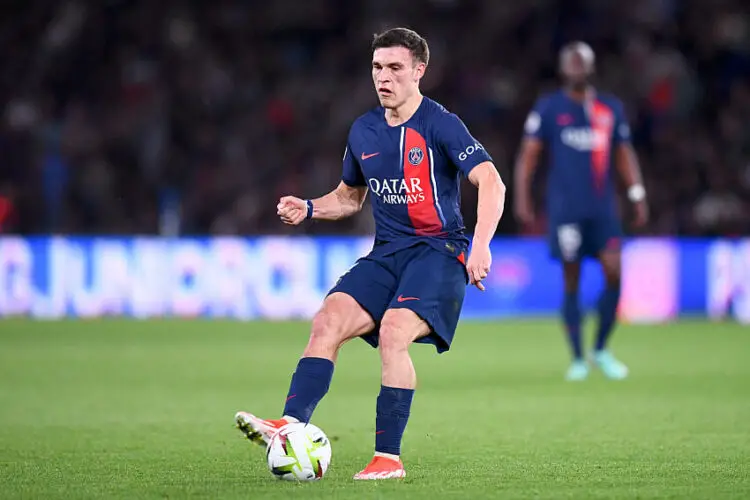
(401, 298)
(364, 156)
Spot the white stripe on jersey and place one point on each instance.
(401, 149)
(435, 189)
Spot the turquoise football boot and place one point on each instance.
(578, 370)
(609, 365)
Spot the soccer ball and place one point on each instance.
(299, 452)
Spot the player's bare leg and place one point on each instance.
(610, 260)
(571, 313)
(398, 330)
(340, 319)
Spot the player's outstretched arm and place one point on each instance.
(342, 202)
(626, 163)
(528, 158)
(490, 205)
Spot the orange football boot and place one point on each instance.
(382, 468)
(256, 429)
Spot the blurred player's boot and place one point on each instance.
(609, 365)
(256, 429)
(577, 371)
(382, 468)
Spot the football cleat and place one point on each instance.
(609, 365)
(382, 468)
(577, 371)
(256, 429)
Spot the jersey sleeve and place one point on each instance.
(352, 173)
(460, 146)
(622, 127)
(537, 123)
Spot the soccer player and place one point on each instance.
(409, 152)
(585, 132)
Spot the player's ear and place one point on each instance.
(419, 70)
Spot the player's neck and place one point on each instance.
(402, 114)
(579, 94)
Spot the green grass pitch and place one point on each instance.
(126, 409)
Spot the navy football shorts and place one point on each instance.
(420, 278)
(571, 240)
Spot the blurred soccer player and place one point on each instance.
(586, 132)
(409, 152)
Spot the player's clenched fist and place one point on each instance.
(292, 210)
(478, 265)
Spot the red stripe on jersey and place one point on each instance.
(602, 123)
(421, 201)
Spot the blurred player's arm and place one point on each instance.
(536, 133)
(626, 162)
(526, 163)
(342, 202)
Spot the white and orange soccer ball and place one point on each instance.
(299, 452)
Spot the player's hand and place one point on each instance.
(292, 210)
(478, 265)
(524, 211)
(641, 214)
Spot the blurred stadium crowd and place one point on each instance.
(171, 117)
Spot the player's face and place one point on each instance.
(396, 75)
(575, 68)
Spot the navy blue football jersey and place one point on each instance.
(580, 139)
(413, 173)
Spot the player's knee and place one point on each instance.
(340, 319)
(398, 330)
(326, 328)
(393, 337)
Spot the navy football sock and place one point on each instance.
(608, 303)
(310, 383)
(393, 408)
(572, 318)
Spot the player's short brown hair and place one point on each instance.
(403, 37)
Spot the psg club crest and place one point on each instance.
(416, 155)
